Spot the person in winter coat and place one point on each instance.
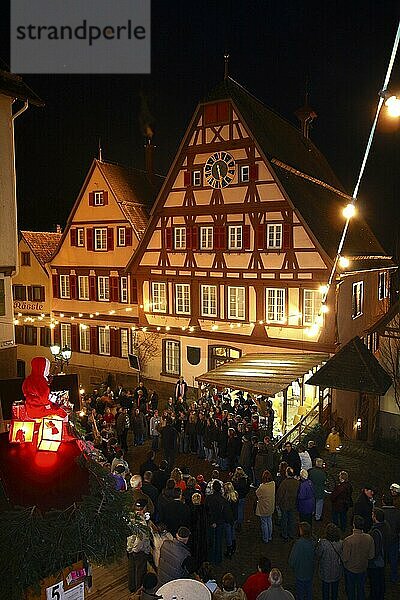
(286, 498)
(199, 526)
(241, 484)
(169, 442)
(276, 591)
(139, 427)
(232, 449)
(329, 553)
(302, 561)
(364, 505)
(233, 498)
(266, 505)
(229, 590)
(172, 556)
(122, 428)
(380, 533)
(392, 517)
(291, 456)
(341, 499)
(259, 581)
(263, 461)
(305, 498)
(305, 458)
(358, 549)
(318, 476)
(245, 458)
(333, 445)
(219, 513)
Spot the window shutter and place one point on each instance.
(246, 237)
(115, 342)
(195, 238)
(286, 235)
(210, 113)
(42, 293)
(91, 198)
(105, 198)
(74, 338)
(74, 237)
(114, 289)
(57, 334)
(260, 236)
(56, 286)
(253, 172)
(92, 288)
(128, 236)
(73, 287)
(219, 237)
(187, 178)
(110, 238)
(188, 238)
(134, 294)
(89, 238)
(168, 239)
(29, 290)
(94, 341)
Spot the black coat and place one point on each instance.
(363, 507)
(159, 479)
(218, 509)
(198, 541)
(176, 514)
(293, 460)
(169, 438)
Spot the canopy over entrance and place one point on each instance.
(265, 374)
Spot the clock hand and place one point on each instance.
(219, 172)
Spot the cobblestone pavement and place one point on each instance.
(363, 464)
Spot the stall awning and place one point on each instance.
(265, 374)
(353, 368)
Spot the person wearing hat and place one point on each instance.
(395, 493)
(118, 475)
(172, 556)
(138, 545)
(364, 505)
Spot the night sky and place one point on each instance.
(341, 48)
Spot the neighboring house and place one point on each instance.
(12, 89)
(32, 296)
(94, 302)
(241, 241)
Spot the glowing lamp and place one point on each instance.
(349, 211)
(324, 308)
(344, 262)
(55, 349)
(21, 432)
(66, 353)
(393, 106)
(50, 434)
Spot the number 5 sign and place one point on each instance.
(55, 592)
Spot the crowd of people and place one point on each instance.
(183, 525)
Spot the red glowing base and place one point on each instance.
(39, 478)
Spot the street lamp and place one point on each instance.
(61, 356)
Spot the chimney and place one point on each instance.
(306, 116)
(149, 158)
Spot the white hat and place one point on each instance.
(395, 487)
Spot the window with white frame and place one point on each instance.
(357, 299)
(312, 300)
(235, 237)
(121, 236)
(64, 286)
(103, 288)
(274, 235)
(98, 198)
(236, 303)
(172, 358)
(206, 238)
(80, 237)
(83, 287)
(124, 342)
(179, 238)
(84, 338)
(383, 288)
(100, 238)
(196, 178)
(182, 298)
(159, 297)
(104, 340)
(124, 289)
(244, 173)
(65, 335)
(275, 305)
(208, 300)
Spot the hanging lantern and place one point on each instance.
(21, 432)
(50, 434)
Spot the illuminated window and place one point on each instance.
(236, 302)
(100, 238)
(182, 298)
(19, 291)
(196, 178)
(98, 198)
(171, 357)
(30, 335)
(180, 238)
(103, 288)
(124, 289)
(274, 235)
(235, 237)
(312, 300)
(84, 339)
(121, 236)
(104, 340)
(64, 286)
(80, 237)
(244, 173)
(124, 342)
(209, 300)
(159, 297)
(383, 288)
(275, 304)
(357, 299)
(65, 332)
(206, 238)
(83, 287)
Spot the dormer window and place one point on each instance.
(98, 198)
(244, 173)
(196, 178)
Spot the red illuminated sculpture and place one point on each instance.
(36, 391)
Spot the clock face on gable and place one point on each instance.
(219, 169)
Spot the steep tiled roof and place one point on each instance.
(353, 368)
(319, 205)
(42, 243)
(134, 191)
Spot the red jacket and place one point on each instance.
(255, 584)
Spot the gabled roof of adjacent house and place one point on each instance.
(303, 172)
(43, 244)
(353, 368)
(12, 85)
